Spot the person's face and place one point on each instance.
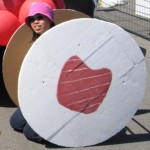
(40, 23)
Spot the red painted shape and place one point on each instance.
(80, 88)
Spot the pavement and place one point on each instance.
(135, 136)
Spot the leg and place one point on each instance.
(31, 135)
(17, 121)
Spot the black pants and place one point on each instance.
(18, 123)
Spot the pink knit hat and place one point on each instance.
(40, 8)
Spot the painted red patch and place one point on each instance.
(80, 88)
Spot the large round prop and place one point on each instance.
(19, 45)
(24, 10)
(9, 23)
(81, 82)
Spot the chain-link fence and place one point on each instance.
(133, 16)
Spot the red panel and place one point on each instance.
(80, 88)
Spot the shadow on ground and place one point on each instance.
(123, 137)
(143, 51)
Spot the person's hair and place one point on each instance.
(35, 35)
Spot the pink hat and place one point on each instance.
(40, 8)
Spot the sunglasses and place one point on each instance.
(38, 17)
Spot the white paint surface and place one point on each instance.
(100, 44)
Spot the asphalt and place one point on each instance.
(135, 136)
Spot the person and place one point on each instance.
(40, 19)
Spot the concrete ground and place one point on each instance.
(135, 136)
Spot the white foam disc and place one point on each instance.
(81, 82)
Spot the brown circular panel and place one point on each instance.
(18, 47)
